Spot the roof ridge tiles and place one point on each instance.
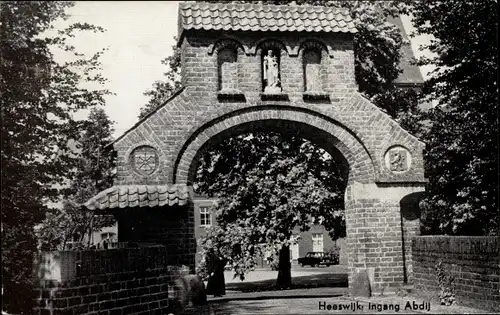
(261, 17)
(123, 196)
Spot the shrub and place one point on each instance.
(446, 287)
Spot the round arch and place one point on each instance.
(331, 135)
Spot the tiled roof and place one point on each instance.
(411, 73)
(258, 17)
(139, 196)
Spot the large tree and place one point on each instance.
(267, 184)
(39, 97)
(462, 145)
(95, 169)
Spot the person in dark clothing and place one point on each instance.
(215, 266)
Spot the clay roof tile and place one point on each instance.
(260, 17)
(130, 196)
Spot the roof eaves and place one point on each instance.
(409, 84)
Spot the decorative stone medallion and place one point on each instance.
(398, 159)
(144, 160)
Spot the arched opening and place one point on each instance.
(227, 68)
(372, 212)
(269, 151)
(410, 226)
(319, 137)
(311, 60)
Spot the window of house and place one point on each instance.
(317, 239)
(205, 217)
(227, 68)
(107, 236)
(312, 67)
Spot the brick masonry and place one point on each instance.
(473, 262)
(172, 227)
(342, 121)
(116, 281)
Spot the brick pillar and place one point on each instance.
(375, 235)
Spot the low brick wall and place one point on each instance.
(472, 261)
(114, 281)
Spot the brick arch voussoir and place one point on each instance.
(270, 42)
(226, 42)
(361, 168)
(309, 43)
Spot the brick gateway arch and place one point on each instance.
(226, 92)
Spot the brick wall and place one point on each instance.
(115, 281)
(473, 262)
(172, 227)
(199, 56)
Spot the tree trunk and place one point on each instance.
(284, 269)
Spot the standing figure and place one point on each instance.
(216, 283)
(271, 75)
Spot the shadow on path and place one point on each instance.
(329, 280)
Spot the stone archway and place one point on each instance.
(373, 223)
(335, 135)
(384, 162)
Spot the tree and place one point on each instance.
(462, 145)
(95, 170)
(38, 97)
(162, 90)
(267, 184)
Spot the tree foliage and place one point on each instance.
(95, 170)
(462, 144)
(163, 89)
(39, 96)
(267, 184)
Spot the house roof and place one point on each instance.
(259, 17)
(410, 74)
(130, 196)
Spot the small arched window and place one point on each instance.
(227, 68)
(312, 70)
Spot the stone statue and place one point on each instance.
(270, 65)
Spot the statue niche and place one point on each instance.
(312, 76)
(227, 69)
(271, 72)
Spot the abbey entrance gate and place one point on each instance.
(262, 67)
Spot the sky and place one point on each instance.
(139, 34)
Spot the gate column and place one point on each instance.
(375, 238)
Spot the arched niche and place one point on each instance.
(271, 53)
(227, 68)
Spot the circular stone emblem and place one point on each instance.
(398, 159)
(144, 159)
